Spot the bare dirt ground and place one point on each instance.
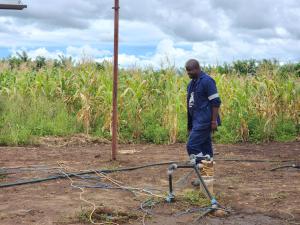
(255, 194)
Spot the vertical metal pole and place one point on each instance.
(170, 184)
(115, 82)
(203, 183)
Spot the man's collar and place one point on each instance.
(201, 75)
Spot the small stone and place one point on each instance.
(219, 213)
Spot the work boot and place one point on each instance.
(207, 168)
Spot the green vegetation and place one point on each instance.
(105, 215)
(261, 101)
(195, 197)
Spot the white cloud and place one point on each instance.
(166, 53)
(210, 30)
(86, 51)
(38, 52)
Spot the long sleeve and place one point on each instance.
(212, 92)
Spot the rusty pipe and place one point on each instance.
(115, 82)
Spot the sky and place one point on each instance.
(153, 32)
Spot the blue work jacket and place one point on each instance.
(202, 95)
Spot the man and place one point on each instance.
(203, 104)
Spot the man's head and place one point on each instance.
(192, 68)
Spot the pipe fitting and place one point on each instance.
(171, 168)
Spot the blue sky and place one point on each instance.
(151, 31)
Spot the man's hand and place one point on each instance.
(214, 126)
(214, 116)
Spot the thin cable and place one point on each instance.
(132, 189)
(86, 201)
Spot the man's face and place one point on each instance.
(192, 72)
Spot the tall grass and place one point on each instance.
(22, 119)
(61, 99)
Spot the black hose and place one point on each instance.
(286, 166)
(185, 166)
(63, 176)
(255, 160)
(5, 169)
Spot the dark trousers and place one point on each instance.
(200, 142)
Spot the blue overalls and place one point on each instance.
(202, 95)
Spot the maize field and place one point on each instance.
(58, 100)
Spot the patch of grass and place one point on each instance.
(2, 176)
(83, 216)
(195, 197)
(106, 215)
(22, 119)
(285, 130)
(112, 166)
(279, 195)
